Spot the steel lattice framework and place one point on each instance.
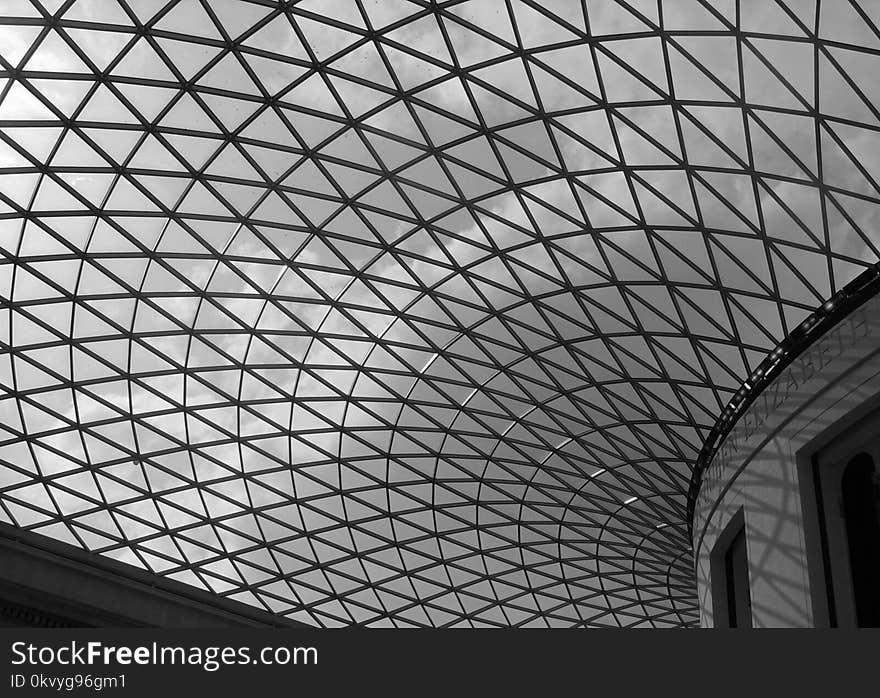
(411, 313)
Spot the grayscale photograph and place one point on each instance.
(437, 314)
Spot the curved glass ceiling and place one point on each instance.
(401, 313)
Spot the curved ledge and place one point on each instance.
(865, 286)
(46, 582)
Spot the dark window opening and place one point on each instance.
(859, 495)
(736, 571)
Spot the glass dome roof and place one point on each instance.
(409, 313)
